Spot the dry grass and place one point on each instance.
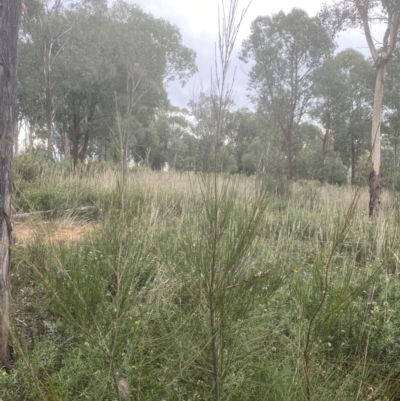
(300, 224)
(66, 231)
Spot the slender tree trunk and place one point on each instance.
(147, 161)
(49, 116)
(130, 91)
(375, 178)
(322, 175)
(395, 166)
(353, 159)
(66, 146)
(322, 180)
(16, 138)
(124, 151)
(325, 151)
(101, 149)
(173, 166)
(31, 130)
(75, 137)
(325, 147)
(26, 124)
(9, 20)
(288, 134)
(82, 154)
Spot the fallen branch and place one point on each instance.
(24, 216)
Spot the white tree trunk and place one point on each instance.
(9, 19)
(375, 179)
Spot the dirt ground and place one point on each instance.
(55, 231)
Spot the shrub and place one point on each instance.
(29, 167)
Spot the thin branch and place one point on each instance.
(364, 17)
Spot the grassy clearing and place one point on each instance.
(305, 300)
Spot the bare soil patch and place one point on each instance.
(54, 231)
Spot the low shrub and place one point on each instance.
(29, 167)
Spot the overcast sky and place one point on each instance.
(198, 23)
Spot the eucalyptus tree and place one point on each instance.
(254, 142)
(182, 152)
(330, 104)
(94, 59)
(206, 124)
(351, 131)
(46, 27)
(247, 129)
(203, 129)
(366, 13)
(285, 49)
(31, 94)
(161, 142)
(392, 113)
(57, 60)
(178, 129)
(9, 21)
(342, 106)
(149, 54)
(185, 156)
(88, 82)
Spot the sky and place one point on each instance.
(198, 23)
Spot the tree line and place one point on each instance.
(85, 64)
(93, 77)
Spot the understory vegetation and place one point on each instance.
(293, 296)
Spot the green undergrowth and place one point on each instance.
(292, 295)
(42, 185)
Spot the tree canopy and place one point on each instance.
(87, 62)
(91, 71)
(286, 51)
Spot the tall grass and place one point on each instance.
(306, 300)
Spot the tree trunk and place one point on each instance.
(288, 134)
(26, 136)
(66, 146)
(89, 118)
(375, 178)
(16, 138)
(101, 150)
(31, 130)
(125, 153)
(381, 58)
(49, 116)
(353, 160)
(147, 161)
(130, 91)
(395, 167)
(83, 152)
(322, 175)
(325, 151)
(9, 20)
(75, 138)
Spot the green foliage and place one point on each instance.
(61, 190)
(43, 196)
(109, 46)
(286, 49)
(130, 300)
(29, 167)
(84, 62)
